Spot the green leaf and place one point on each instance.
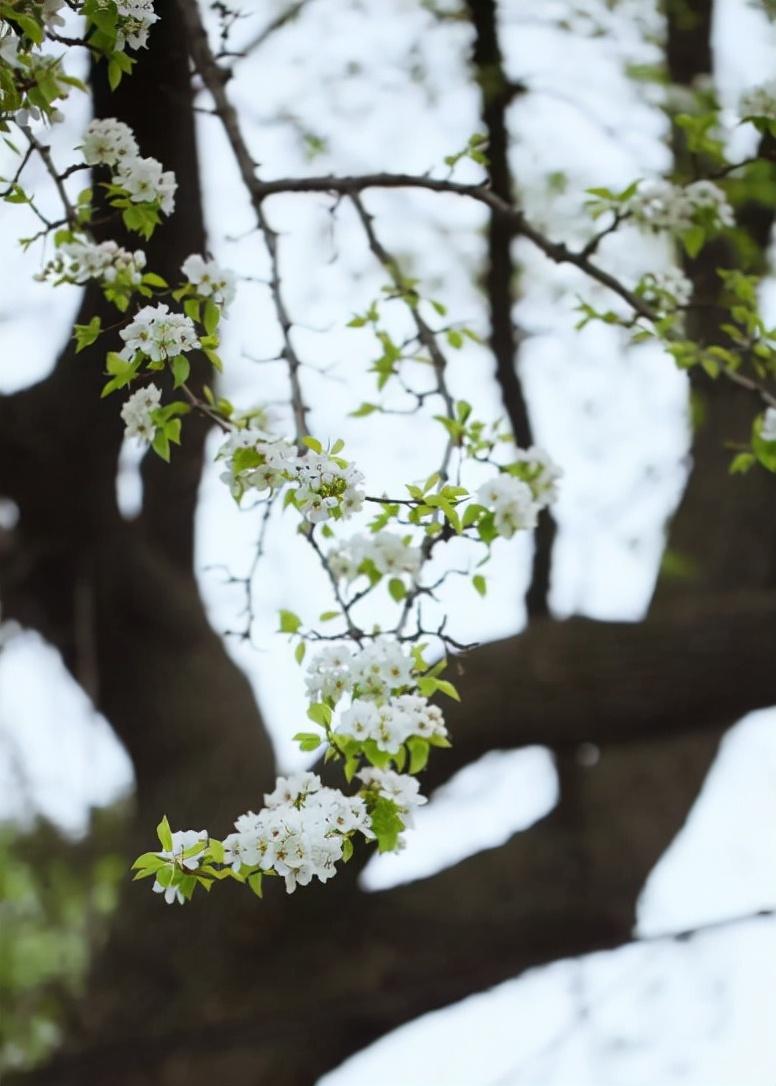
(164, 833)
(364, 410)
(693, 240)
(480, 584)
(161, 445)
(216, 849)
(312, 443)
(254, 882)
(741, 463)
(320, 713)
(386, 824)
(327, 616)
(446, 687)
(180, 370)
(308, 740)
(86, 334)
(151, 279)
(347, 849)
(397, 589)
(299, 651)
(419, 751)
(289, 622)
(149, 861)
(211, 316)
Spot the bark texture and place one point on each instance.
(228, 990)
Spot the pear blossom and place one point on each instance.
(147, 182)
(85, 260)
(512, 501)
(536, 468)
(768, 428)
(661, 205)
(389, 553)
(137, 413)
(107, 142)
(759, 101)
(159, 334)
(210, 279)
(401, 788)
(136, 17)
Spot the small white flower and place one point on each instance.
(768, 429)
(108, 142)
(137, 411)
(759, 101)
(210, 279)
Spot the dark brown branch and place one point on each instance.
(497, 94)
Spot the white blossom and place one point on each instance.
(768, 428)
(382, 667)
(182, 842)
(671, 284)
(759, 101)
(661, 205)
(137, 411)
(88, 260)
(390, 554)
(536, 468)
(136, 17)
(299, 834)
(329, 674)
(210, 279)
(51, 17)
(108, 142)
(402, 788)
(512, 502)
(147, 182)
(9, 51)
(159, 334)
(327, 487)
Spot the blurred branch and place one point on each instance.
(497, 94)
(215, 79)
(280, 20)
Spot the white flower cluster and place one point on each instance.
(401, 788)
(768, 428)
(389, 553)
(51, 18)
(671, 285)
(136, 17)
(759, 101)
(299, 834)
(109, 142)
(159, 334)
(9, 50)
(378, 678)
(392, 723)
(663, 206)
(376, 671)
(516, 497)
(106, 260)
(257, 461)
(210, 280)
(326, 487)
(136, 413)
(182, 841)
(535, 467)
(512, 502)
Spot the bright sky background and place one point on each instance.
(696, 1013)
